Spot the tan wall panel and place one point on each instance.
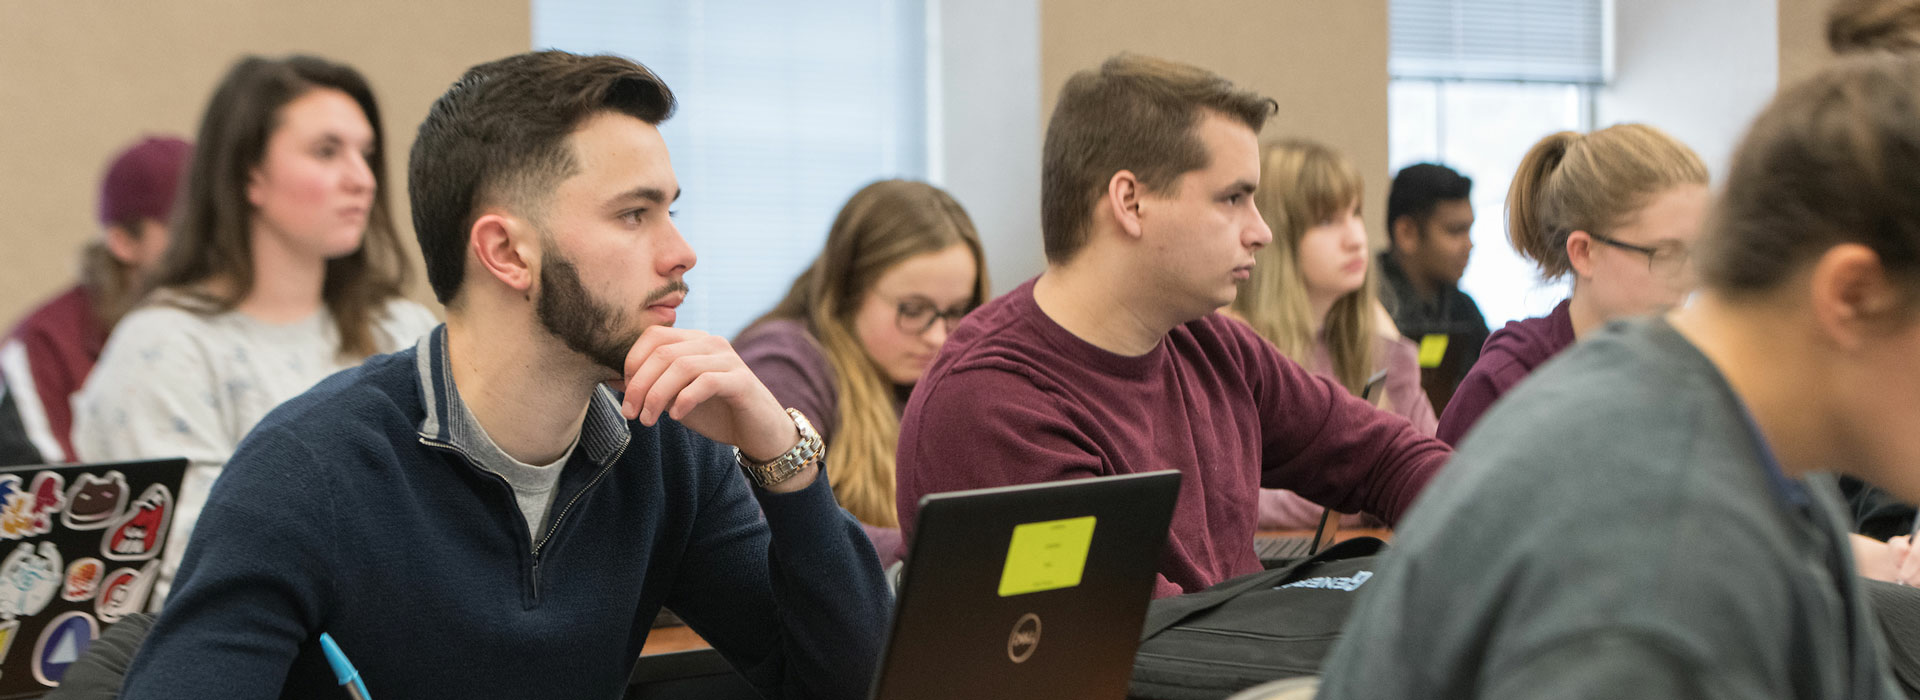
(1326, 63)
(1803, 38)
(79, 79)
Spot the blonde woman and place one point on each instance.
(1618, 210)
(901, 265)
(1312, 294)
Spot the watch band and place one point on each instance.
(807, 453)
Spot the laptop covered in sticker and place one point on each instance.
(80, 549)
(1028, 592)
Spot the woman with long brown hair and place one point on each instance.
(901, 265)
(1313, 295)
(284, 268)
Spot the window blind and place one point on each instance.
(786, 109)
(1562, 41)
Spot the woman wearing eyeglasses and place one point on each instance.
(1618, 210)
(902, 264)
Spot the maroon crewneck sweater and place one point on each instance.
(1014, 399)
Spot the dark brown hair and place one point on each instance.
(884, 224)
(1874, 25)
(1134, 113)
(212, 221)
(1834, 159)
(499, 136)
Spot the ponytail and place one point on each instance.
(1526, 229)
(1590, 182)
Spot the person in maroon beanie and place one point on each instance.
(1114, 360)
(48, 354)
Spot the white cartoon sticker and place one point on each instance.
(29, 580)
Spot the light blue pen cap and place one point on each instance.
(342, 669)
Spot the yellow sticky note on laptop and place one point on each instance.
(1433, 348)
(1046, 556)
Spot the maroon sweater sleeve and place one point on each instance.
(55, 379)
(997, 423)
(791, 364)
(1498, 370)
(1476, 394)
(1329, 445)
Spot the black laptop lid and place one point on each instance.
(80, 548)
(1033, 591)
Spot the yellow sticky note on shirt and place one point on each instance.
(1433, 347)
(1046, 556)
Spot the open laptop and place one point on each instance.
(1275, 551)
(80, 548)
(1028, 592)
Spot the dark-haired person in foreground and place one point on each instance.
(1114, 360)
(480, 516)
(1647, 516)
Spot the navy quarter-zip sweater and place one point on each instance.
(355, 510)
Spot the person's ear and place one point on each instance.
(1580, 253)
(507, 248)
(122, 245)
(1123, 199)
(1404, 236)
(1853, 298)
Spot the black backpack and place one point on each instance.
(1261, 627)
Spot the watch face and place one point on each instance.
(807, 452)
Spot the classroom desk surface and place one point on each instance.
(1345, 533)
(681, 638)
(668, 639)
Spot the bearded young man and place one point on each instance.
(481, 516)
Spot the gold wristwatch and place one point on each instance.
(783, 467)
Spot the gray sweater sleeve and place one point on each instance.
(1618, 662)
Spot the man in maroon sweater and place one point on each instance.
(1113, 361)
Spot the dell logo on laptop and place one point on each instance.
(1024, 639)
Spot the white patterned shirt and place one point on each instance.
(174, 383)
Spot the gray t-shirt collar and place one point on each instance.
(603, 435)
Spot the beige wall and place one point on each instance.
(1325, 61)
(1700, 70)
(1803, 38)
(80, 79)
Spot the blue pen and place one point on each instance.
(343, 669)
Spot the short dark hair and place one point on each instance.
(1418, 188)
(1134, 113)
(1874, 25)
(499, 135)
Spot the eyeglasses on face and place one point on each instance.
(915, 315)
(1667, 261)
